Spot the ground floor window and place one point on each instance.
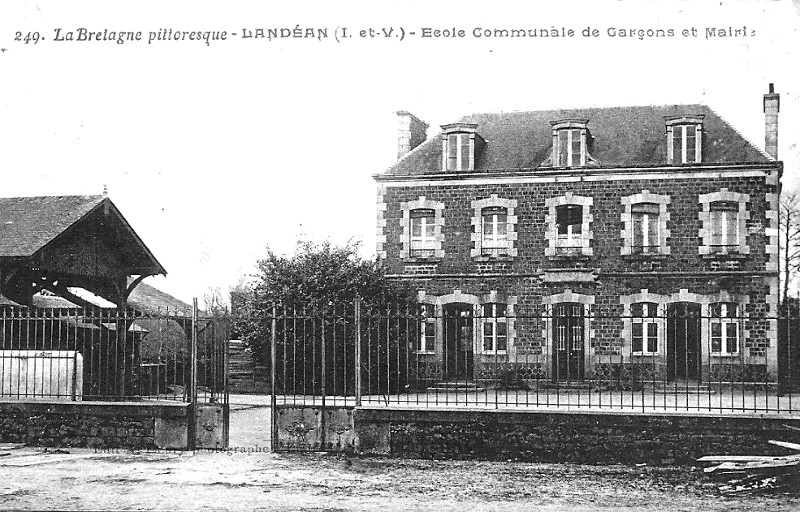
(495, 328)
(427, 329)
(724, 324)
(644, 328)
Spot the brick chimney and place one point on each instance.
(411, 132)
(772, 105)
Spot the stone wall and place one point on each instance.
(579, 437)
(94, 424)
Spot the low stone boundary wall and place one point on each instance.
(578, 437)
(95, 424)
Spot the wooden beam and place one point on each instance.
(133, 284)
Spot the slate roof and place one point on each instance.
(623, 136)
(152, 300)
(28, 223)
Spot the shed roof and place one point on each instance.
(29, 224)
(622, 136)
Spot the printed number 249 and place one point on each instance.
(30, 37)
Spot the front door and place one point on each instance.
(458, 356)
(683, 341)
(568, 342)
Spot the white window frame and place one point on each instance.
(582, 242)
(465, 136)
(493, 320)
(723, 321)
(676, 128)
(426, 320)
(436, 242)
(707, 231)
(571, 127)
(425, 241)
(645, 321)
(494, 201)
(627, 218)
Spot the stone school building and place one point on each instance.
(571, 245)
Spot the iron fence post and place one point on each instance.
(273, 399)
(192, 395)
(357, 306)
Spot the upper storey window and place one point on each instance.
(684, 139)
(461, 146)
(494, 227)
(422, 223)
(423, 235)
(724, 216)
(569, 226)
(571, 139)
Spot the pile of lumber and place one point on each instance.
(738, 473)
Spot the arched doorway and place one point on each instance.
(458, 341)
(568, 341)
(683, 341)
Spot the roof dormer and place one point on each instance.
(461, 147)
(571, 140)
(684, 139)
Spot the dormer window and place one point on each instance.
(461, 146)
(570, 143)
(684, 139)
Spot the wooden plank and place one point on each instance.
(786, 444)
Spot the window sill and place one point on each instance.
(498, 353)
(725, 356)
(645, 354)
(727, 255)
(644, 256)
(425, 352)
(422, 259)
(492, 258)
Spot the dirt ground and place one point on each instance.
(246, 479)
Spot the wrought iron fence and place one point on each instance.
(100, 354)
(679, 357)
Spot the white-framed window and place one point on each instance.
(421, 225)
(684, 139)
(645, 219)
(423, 234)
(493, 227)
(725, 329)
(426, 344)
(568, 226)
(644, 328)
(494, 221)
(571, 140)
(724, 215)
(570, 148)
(461, 146)
(458, 151)
(494, 339)
(646, 228)
(724, 226)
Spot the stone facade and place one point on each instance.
(571, 283)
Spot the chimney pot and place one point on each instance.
(772, 105)
(411, 132)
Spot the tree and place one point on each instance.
(213, 302)
(789, 230)
(313, 293)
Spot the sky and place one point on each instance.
(214, 152)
